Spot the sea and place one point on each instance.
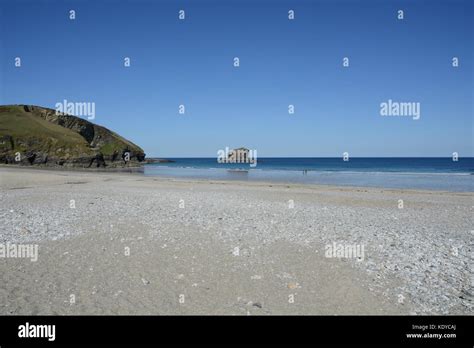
(427, 173)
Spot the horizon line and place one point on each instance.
(414, 157)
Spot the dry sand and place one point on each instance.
(183, 236)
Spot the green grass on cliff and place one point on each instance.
(31, 132)
(26, 127)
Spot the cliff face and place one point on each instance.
(35, 135)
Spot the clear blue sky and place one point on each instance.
(282, 62)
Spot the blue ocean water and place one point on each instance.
(411, 173)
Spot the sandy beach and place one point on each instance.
(114, 243)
